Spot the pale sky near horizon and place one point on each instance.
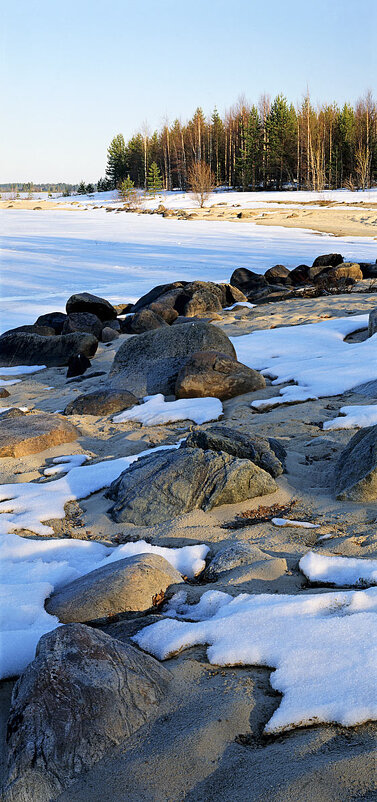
(77, 72)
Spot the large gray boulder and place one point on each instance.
(86, 302)
(22, 434)
(356, 469)
(132, 584)
(372, 325)
(238, 444)
(84, 693)
(150, 363)
(33, 349)
(208, 373)
(178, 481)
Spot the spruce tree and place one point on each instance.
(81, 189)
(129, 194)
(116, 169)
(154, 179)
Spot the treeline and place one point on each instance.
(268, 145)
(29, 186)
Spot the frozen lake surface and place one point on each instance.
(48, 255)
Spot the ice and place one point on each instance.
(156, 410)
(65, 464)
(355, 417)
(32, 569)
(338, 570)
(26, 505)
(290, 522)
(323, 647)
(315, 356)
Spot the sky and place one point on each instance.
(77, 72)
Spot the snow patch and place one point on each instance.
(338, 570)
(355, 417)
(156, 410)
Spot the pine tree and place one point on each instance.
(281, 125)
(81, 189)
(154, 179)
(129, 194)
(116, 169)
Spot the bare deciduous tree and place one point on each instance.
(201, 182)
(363, 160)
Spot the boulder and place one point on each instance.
(150, 363)
(43, 331)
(369, 270)
(199, 298)
(230, 294)
(83, 321)
(112, 324)
(208, 373)
(164, 311)
(86, 302)
(32, 349)
(109, 334)
(77, 365)
(101, 402)
(247, 281)
(83, 694)
(123, 586)
(238, 444)
(54, 320)
(146, 320)
(279, 274)
(232, 556)
(356, 469)
(328, 260)
(22, 433)
(372, 325)
(155, 293)
(270, 293)
(4, 393)
(300, 275)
(344, 274)
(178, 481)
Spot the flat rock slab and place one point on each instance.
(161, 486)
(122, 586)
(101, 402)
(84, 693)
(356, 469)
(238, 444)
(22, 434)
(149, 363)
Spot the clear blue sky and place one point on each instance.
(76, 72)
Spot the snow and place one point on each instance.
(19, 370)
(64, 464)
(26, 505)
(239, 303)
(322, 646)
(122, 256)
(32, 569)
(290, 522)
(156, 410)
(4, 383)
(355, 417)
(338, 570)
(6, 409)
(315, 356)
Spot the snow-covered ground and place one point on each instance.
(48, 255)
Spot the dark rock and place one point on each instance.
(372, 324)
(300, 275)
(278, 275)
(368, 270)
(143, 321)
(155, 293)
(164, 311)
(230, 556)
(328, 260)
(199, 298)
(43, 331)
(4, 393)
(101, 402)
(83, 694)
(356, 469)
(343, 275)
(22, 434)
(83, 321)
(32, 349)
(86, 302)
(150, 363)
(55, 320)
(125, 628)
(123, 309)
(109, 334)
(122, 586)
(247, 281)
(270, 293)
(178, 481)
(77, 365)
(208, 373)
(112, 324)
(230, 295)
(238, 444)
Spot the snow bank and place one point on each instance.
(239, 303)
(156, 410)
(65, 464)
(356, 417)
(323, 647)
(19, 370)
(338, 570)
(315, 356)
(26, 505)
(32, 569)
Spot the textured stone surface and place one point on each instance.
(32, 349)
(175, 482)
(343, 274)
(108, 334)
(43, 331)
(238, 444)
(278, 274)
(372, 325)
(22, 434)
(145, 320)
(208, 373)
(55, 320)
(247, 281)
(84, 693)
(101, 402)
(86, 302)
(328, 260)
(122, 586)
(83, 321)
(150, 363)
(300, 275)
(356, 469)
